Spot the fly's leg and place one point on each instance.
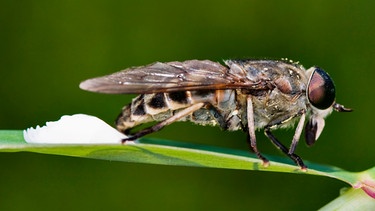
(218, 117)
(297, 134)
(289, 152)
(166, 122)
(251, 140)
(297, 159)
(255, 150)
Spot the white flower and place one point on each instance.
(75, 129)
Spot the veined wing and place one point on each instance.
(169, 77)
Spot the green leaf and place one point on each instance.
(351, 199)
(165, 152)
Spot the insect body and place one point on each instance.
(240, 95)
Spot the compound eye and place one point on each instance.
(321, 90)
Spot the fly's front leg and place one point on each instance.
(298, 133)
(297, 159)
(166, 122)
(251, 140)
(289, 152)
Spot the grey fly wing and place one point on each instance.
(167, 77)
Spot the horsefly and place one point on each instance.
(240, 95)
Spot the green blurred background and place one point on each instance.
(48, 47)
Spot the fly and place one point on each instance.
(239, 95)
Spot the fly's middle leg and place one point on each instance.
(168, 121)
(251, 140)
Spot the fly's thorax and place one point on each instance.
(268, 70)
(277, 109)
(283, 89)
(286, 100)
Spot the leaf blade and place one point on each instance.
(165, 152)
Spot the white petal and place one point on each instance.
(75, 129)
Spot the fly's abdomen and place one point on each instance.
(160, 106)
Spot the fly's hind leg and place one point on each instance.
(166, 122)
(217, 116)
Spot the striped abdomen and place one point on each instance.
(220, 108)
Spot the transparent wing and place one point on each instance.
(168, 77)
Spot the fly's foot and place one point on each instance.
(132, 138)
(304, 168)
(265, 163)
(298, 160)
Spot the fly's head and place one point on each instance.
(321, 96)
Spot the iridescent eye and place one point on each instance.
(321, 90)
